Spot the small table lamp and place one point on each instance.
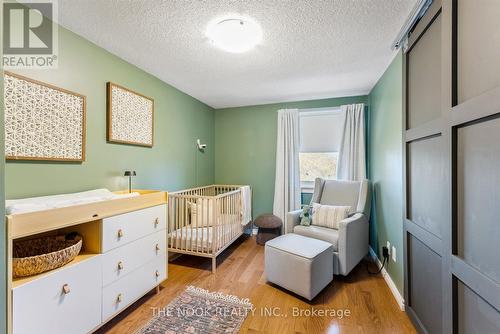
(130, 173)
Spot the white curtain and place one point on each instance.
(351, 164)
(287, 183)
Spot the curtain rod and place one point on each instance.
(320, 110)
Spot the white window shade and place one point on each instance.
(321, 131)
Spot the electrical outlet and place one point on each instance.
(393, 253)
(388, 245)
(385, 253)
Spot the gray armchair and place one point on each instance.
(350, 241)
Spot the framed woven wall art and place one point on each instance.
(130, 116)
(42, 121)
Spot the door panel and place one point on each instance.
(426, 172)
(478, 47)
(424, 79)
(478, 194)
(475, 315)
(425, 297)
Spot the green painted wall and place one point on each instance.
(172, 163)
(385, 166)
(245, 146)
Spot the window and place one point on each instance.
(313, 165)
(320, 136)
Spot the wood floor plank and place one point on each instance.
(240, 272)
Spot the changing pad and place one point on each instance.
(24, 205)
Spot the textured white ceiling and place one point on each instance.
(311, 49)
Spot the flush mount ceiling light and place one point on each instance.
(235, 34)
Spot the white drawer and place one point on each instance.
(120, 294)
(41, 306)
(120, 261)
(122, 229)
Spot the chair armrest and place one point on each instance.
(292, 219)
(353, 241)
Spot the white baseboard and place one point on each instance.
(399, 299)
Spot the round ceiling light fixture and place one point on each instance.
(235, 35)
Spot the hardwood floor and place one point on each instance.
(240, 272)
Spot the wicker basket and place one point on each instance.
(35, 256)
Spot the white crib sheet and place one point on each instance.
(193, 238)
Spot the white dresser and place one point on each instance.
(86, 293)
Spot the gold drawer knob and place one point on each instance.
(66, 289)
(120, 265)
(157, 247)
(119, 298)
(157, 273)
(120, 233)
(157, 221)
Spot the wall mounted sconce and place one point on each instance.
(201, 147)
(130, 173)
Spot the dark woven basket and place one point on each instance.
(35, 256)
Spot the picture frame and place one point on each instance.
(43, 122)
(130, 116)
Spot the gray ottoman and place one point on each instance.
(300, 264)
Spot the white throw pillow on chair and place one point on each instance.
(329, 215)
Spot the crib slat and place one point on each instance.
(174, 222)
(180, 218)
(194, 224)
(205, 226)
(209, 229)
(181, 221)
(231, 217)
(233, 213)
(233, 209)
(203, 219)
(189, 226)
(222, 220)
(185, 224)
(215, 227)
(170, 220)
(240, 213)
(227, 215)
(229, 212)
(177, 202)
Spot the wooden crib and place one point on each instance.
(204, 221)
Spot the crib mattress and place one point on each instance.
(189, 238)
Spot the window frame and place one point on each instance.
(308, 186)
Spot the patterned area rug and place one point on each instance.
(199, 311)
